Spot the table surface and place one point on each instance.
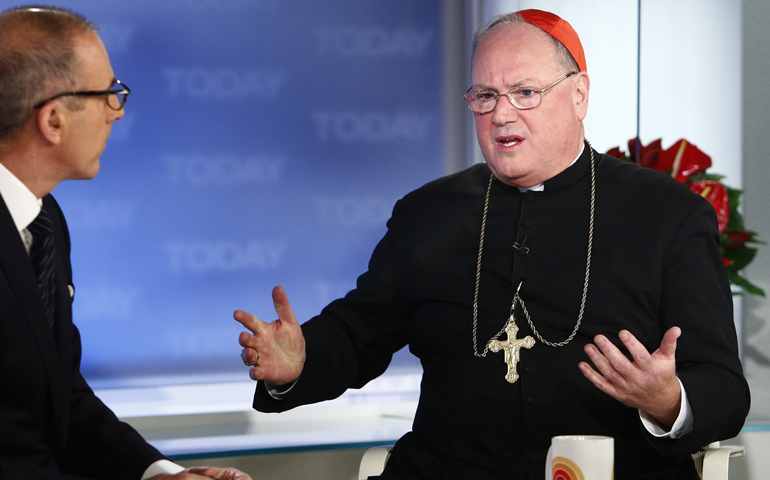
(216, 419)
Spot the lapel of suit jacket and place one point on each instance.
(21, 276)
(65, 340)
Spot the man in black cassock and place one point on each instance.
(596, 259)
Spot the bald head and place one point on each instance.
(37, 60)
(563, 56)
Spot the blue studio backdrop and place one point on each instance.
(264, 143)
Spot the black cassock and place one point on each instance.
(655, 264)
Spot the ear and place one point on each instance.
(50, 121)
(582, 85)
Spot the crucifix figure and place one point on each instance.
(511, 347)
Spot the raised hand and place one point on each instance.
(648, 383)
(276, 350)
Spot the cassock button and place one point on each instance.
(527, 224)
(530, 400)
(532, 199)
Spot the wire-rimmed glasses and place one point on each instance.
(523, 98)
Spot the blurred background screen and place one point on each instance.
(264, 143)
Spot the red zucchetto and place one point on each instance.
(560, 29)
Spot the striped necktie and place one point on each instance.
(42, 255)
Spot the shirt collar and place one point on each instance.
(541, 186)
(20, 201)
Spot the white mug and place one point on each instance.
(580, 457)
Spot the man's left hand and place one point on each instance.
(648, 383)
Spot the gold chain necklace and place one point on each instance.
(513, 345)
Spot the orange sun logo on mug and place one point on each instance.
(566, 469)
(580, 457)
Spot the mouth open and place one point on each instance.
(509, 141)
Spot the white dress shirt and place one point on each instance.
(21, 203)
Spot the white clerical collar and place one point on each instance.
(20, 201)
(541, 186)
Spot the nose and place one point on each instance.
(115, 115)
(504, 111)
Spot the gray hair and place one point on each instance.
(565, 59)
(37, 60)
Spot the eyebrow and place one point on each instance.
(524, 82)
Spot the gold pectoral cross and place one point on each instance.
(511, 346)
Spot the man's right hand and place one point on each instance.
(275, 350)
(205, 473)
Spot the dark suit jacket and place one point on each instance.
(655, 264)
(52, 426)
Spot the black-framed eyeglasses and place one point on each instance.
(523, 98)
(116, 95)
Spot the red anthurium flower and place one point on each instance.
(716, 194)
(683, 159)
(649, 153)
(738, 239)
(615, 152)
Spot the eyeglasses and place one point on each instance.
(116, 95)
(523, 98)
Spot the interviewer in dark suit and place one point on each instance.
(58, 99)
